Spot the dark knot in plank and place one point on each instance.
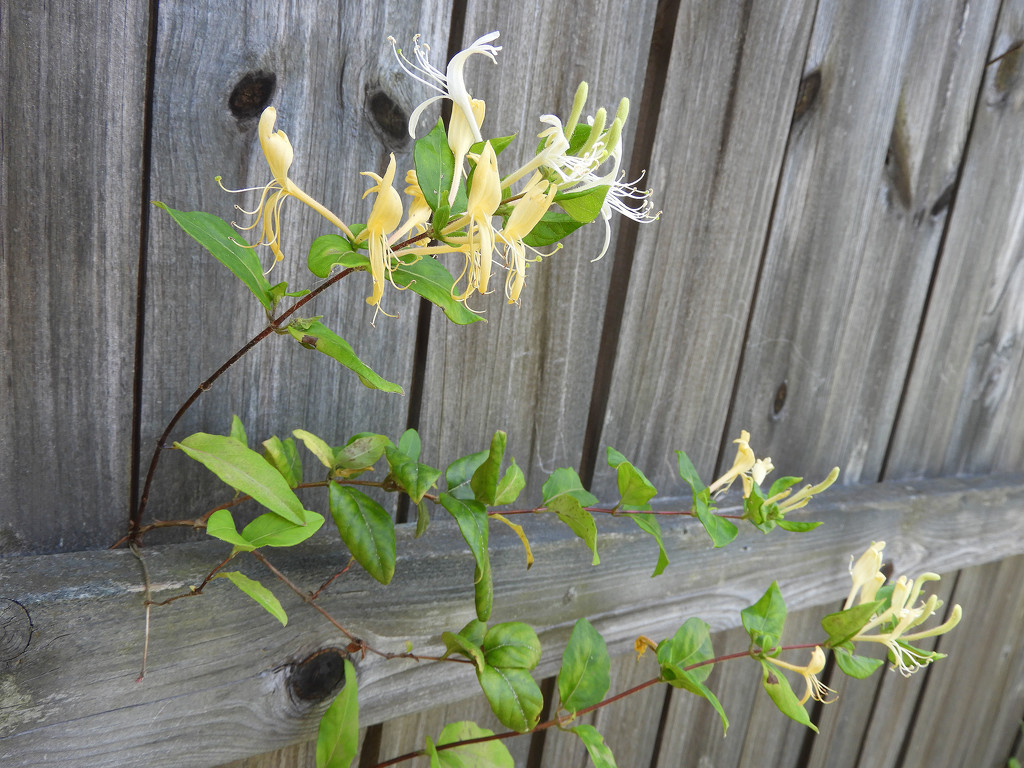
(319, 676)
(252, 94)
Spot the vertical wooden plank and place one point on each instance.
(343, 102)
(71, 176)
(817, 300)
(964, 397)
(733, 79)
(530, 369)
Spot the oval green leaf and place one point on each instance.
(367, 530)
(257, 592)
(584, 677)
(245, 471)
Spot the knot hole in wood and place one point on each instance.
(317, 677)
(389, 119)
(252, 94)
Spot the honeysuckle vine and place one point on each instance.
(463, 204)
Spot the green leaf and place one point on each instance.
(600, 755)
(422, 519)
(484, 754)
(471, 517)
(483, 590)
(497, 144)
(565, 481)
(778, 689)
(720, 530)
(414, 478)
(514, 696)
(463, 645)
(580, 521)
(367, 530)
(584, 677)
(511, 645)
(474, 631)
(409, 444)
(856, 666)
(459, 472)
(430, 279)
(245, 471)
(238, 430)
(221, 239)
(269, 530)
(510, 485)
(551, 228)
(485, 480)
(690, 645)
(328, 251)
(689, 473)
(313, 334)
(585, 205)
(794, 526)
(765, 619)
(257, 592)
(360, 453)
(782, 484)
(337, 740)
(221, 525)
(635, 490)
(435, 166)
(317, 446)
(283, 456)
(650, 524)
(843, 625)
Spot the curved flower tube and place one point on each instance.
(277, 150)
(484, 198)
(529, 209)
(451, 84)
(384, 218)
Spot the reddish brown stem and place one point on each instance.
(274, 325)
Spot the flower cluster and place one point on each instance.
(897, 612)
(576, 167)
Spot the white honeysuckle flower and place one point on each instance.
(904, 612)
(533, 203)
(450, 84)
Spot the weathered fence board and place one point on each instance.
(530, 369)
(332, 114)
(964, 398)
(70, 175)
(222, 662)
(795, 369)
(734, 76)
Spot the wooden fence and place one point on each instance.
(839, 270)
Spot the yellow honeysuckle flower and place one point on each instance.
(532, 205)
(419, 210)
(816, 689)
(461, 136)
(484, 198)
(802, 497)
(277, 150)
(745, 466)
(904, 613)
(384, 218)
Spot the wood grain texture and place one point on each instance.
(221, 661)
(802, 360)
(733, 80)
(964, 396)
(197, 312)
(530, 369)
(71, 211)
